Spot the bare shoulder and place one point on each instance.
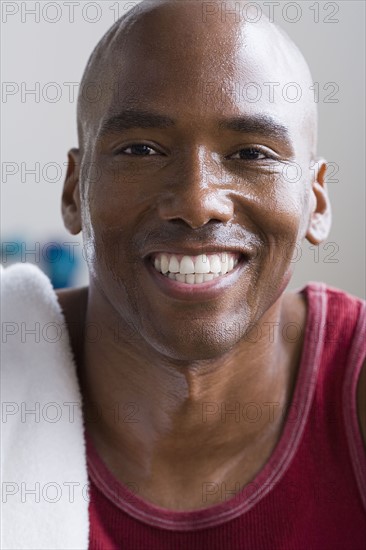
(295, 308)
(361, 401)
(73, 302)
(70, 299)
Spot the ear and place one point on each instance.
(321, 217)
(71, 211)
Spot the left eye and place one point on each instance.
(250, 153)
(139, 149)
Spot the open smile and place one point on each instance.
(195, 277)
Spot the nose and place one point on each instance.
(195, 194)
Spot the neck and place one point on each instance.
(147, 413)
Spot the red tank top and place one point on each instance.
(310, 495)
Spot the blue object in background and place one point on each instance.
(59, 262)
(11, 250)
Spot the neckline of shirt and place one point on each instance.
(266, 479)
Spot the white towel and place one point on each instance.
(44, 470)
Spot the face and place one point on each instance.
(189, 158)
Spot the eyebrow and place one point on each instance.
(262, 125)
(135, 119)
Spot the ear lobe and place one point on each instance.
(71, 211)
(321, 216)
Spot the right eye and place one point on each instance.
(138, 149)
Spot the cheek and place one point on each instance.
(284, 219)
(274, 212)
(284, 226)
(122, 197)
(112, 205)
(105, 215)
(274, 208)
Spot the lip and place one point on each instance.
(199, 292)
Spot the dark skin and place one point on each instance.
(197, 182)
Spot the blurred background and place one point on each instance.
(45, 47)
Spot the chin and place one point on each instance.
(198, 346)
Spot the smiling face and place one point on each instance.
(193, 151)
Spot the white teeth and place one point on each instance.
(215, 264)
(173, 265)
(225, 264)
(195, 269)
(202, 264)
(164, 264)
(199, 278)
(186, 265)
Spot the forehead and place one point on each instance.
(200, 69)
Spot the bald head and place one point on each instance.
(233, 58)
(204, 133)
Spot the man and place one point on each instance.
(220, 411)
